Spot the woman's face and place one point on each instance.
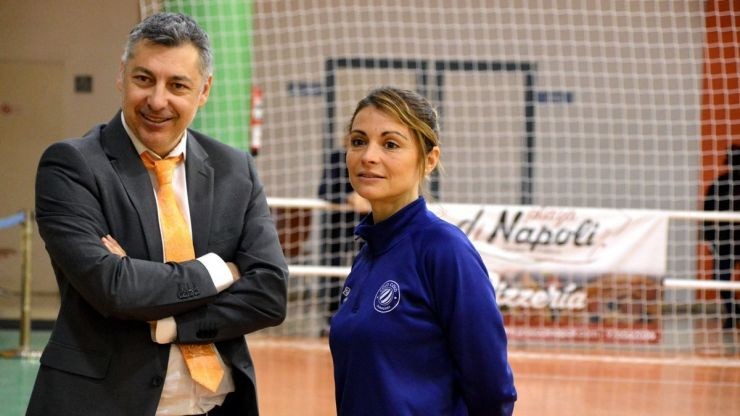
(383, 162)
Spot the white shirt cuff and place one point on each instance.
(219, 271)
(165, 331)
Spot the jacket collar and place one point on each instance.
(382, 236)
(200, 178)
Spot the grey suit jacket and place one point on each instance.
(100, 359)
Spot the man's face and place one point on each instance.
(162, 88)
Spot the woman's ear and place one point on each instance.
(432, 160)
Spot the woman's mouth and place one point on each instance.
(369, 175)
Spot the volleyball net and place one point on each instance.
(584, 118)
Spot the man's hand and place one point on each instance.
(112, 245)
(234, 270)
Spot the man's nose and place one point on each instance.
(157, 99)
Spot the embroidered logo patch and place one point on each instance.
(345, 294)
(387, 297)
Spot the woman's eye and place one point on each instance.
(356, 142)
(391, 145)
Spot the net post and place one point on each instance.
(24, 324)
(25, 319)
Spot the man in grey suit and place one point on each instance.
(124, 308)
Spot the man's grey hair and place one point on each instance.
(172, 29)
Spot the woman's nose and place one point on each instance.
(371, 153)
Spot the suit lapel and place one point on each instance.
(136, 182)
(199, 174)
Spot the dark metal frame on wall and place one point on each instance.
(437, 95)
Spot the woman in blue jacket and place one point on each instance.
(418, 331)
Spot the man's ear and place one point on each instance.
(203, 98)
(119, 78)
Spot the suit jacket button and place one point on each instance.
(157, 381)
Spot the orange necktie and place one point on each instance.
(201, 359)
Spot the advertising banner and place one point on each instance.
(571, 274)
(570, 240)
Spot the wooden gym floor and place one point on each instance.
(295, 378)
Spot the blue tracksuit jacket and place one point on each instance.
(418, 331)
